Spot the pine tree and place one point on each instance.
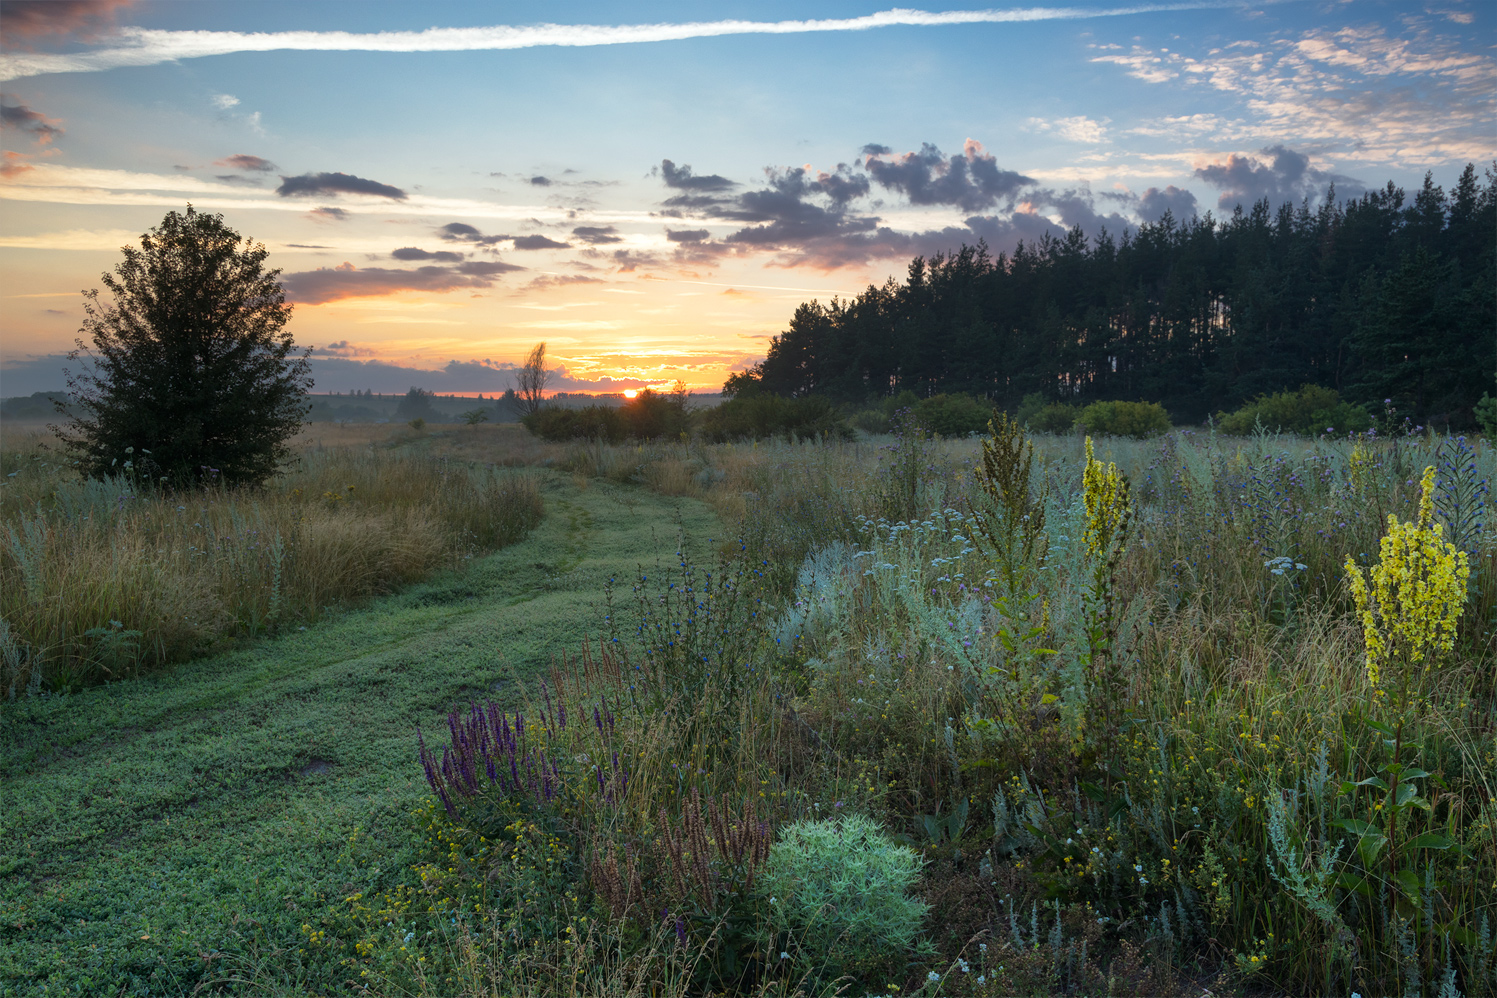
(191, 375)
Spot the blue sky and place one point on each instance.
(445, 184)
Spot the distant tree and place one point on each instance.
(508, 407)
(415, 405)
(475, 416)
(532, 377)
(190, 374)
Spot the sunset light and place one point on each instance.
(630, 393)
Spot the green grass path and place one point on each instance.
(211, 808)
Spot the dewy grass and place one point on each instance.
(85, 563)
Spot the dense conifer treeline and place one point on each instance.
(1377, 297)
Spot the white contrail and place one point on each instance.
(147, 47)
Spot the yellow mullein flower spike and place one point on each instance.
(1108, 505)
(1410, 602)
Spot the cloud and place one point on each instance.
(328, 284)
(1153, 203)
(24, 21)
(1286, 176)
(462, 232)
(224, 101)
(1075, 129)
(336, 183)
(234, 178)
(596, 235)
(326, 214)
(971, 181)
(412, 253)
(686, 235)
(487, 268)
(244, 161)
(14, 164)
(1400, 93)
(20, 118)
(681, 178)
(536, 242)
(540, 181)
(875, 149)
(545, 281)
(148, 47)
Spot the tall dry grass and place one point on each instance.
(101, 579)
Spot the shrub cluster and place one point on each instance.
(649, 416)
(760, 417)
(1310, 411)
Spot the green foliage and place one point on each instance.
(1124, 419)
(759, 416)
(1486, 415)
(475, 416)
(1053, 417)
(839, 897)
(954, 415)
(1310, 411)
(189, 361)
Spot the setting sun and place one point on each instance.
(630, 393)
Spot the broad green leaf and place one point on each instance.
(1405, 793)
(1373, 781)
(1409, 881)
(1356, 826)
(1429, 840)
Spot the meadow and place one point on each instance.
(899, 715)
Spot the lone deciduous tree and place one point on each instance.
(532, 378)
(190, 375)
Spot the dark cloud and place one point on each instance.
(597, 235)
(536, 242)
(234, 178)
(971, 181)
(413, 253)
(874, 149)
(681, 178)
(24, 21)
(336, 183)
(326, 214)
(244, 161)
(628, 261)
(686, 235)
(462, 232)
(1285, 176)
(1153, 203)
(315, 287)
(540, 181)
(306, 246)
(19, 117)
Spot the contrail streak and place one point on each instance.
(148, 47)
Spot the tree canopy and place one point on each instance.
(1377, 297)
(190, 374)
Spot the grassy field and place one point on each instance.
(1109, 713)
(179, 828)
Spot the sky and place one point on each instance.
(652, 188)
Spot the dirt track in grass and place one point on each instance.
(176, 831)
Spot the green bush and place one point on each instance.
(761, 416)
(1486, 415)
(1125, 419)
(1046, 417)
(872, 421)
(954, 415)
(1310, 411)
(840, 900)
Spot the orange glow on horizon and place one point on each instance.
(630, 393)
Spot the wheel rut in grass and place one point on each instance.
(179, 805)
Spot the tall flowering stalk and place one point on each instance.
(1109, 514)
(1410, 602)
